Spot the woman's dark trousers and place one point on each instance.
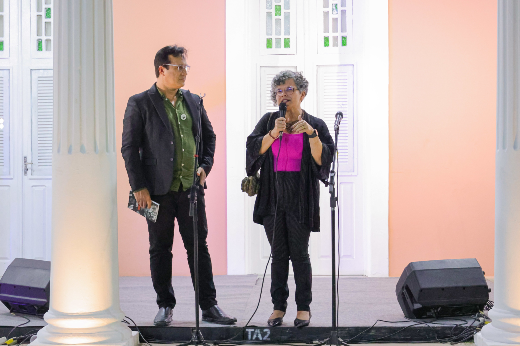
(175, 205)
(291, 241)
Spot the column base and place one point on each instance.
(492, 336)
(132, 341)
(114, 333)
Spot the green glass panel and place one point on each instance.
(344, 41)
(278, 10)
(334, 8)
(40, 46)
(1, 46)
(47, 13)
(326, 41)
(269, 43)
(287, 43)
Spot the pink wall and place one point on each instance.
(140, 29)
(442, 122)
(442, 130)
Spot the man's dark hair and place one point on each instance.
(162, 56)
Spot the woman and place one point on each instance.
(287, 204)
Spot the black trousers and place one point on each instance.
(289, 239)
(176, 205)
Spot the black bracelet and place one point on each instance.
(314, 134)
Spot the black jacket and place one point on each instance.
(310, 172)
(148, 145)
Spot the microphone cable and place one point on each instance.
(270, 254)
(274, 227)
(282, 110)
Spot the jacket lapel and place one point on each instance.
(194, 110)
(159, 107)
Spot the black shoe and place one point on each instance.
(216, 315)
(275, 322)
(302, 323)
(163, 317)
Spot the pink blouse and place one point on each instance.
(290, 159)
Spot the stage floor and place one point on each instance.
(362, 301)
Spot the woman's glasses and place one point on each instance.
(288, 91)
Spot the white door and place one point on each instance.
(10, 131)
(37, 16)
(315, 37)
(26, 137)
(341, 46)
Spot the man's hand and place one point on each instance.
(143, 198)
(202, 175)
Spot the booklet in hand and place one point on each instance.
(149, 213)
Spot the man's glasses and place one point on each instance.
(180, 68)
(289, 91)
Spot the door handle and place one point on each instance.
(25, 164)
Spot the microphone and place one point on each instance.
(339, 116)
(282, 108)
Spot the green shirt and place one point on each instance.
(181, 121)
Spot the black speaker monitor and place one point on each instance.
(442, 288)
(25, 286)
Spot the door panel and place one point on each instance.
(41, 123)
(5, 127)
(6, 209)
(35, 235)
(336, 93)
(37, 179)
(335, 90)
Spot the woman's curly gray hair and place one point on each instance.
(301, 83)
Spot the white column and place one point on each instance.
(505, 326)
(84, 302)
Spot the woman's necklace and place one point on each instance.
(289, 124)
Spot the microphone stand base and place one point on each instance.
(196, 339)
(332, 340)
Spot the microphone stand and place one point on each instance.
(196, 336)
(333, 339)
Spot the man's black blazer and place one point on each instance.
(148, 145)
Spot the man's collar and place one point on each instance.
(179, 93)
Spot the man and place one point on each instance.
(159, 130)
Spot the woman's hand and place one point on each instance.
(316, 146)
(302, 126)
(279, 126)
